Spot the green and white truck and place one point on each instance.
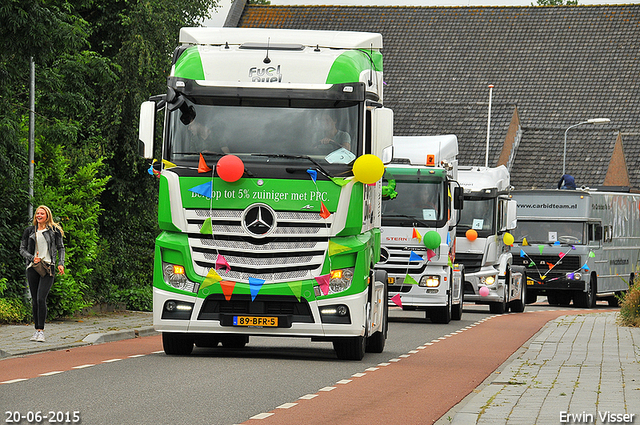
(420, 210)
(266, 227)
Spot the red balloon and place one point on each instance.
(472, 235)
(230, 168)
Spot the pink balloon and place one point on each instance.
(484, 291)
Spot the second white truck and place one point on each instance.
(489, 214)
(420, 209)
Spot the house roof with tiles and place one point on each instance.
(551, 68)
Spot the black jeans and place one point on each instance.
(39, 286)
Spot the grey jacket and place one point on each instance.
(54, 244)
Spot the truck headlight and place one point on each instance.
(175, 276)
(429, 281)
(488, 280)
(340, 279)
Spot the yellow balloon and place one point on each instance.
(368, 169)
(508, 239)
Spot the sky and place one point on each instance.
(218, 17)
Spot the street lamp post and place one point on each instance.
(591, 121)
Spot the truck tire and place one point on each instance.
(501, 307)
(376, 342)
(517, 306)
(351, 348)
(441, 314)
(177, 344)
(456, 310)
(587, 299)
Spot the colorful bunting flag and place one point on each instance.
(211, 279)
(448, 239)
(556, 243)
(202, 165)
(585, 267)
(409, 280)
(591, 254)
(561, 254)
(540, 248)
(168, 164)
(397, 300)
(323, 282)
(324, 212)
(335, 248)
(339, 181)
(150, 170)
(296, 288)
(449, 262)
(227, 288)
(206, 228)
(254, 286)
(524, 242)
(416, 235)
(522, 253)
(313, 174)
(430, 254)
(551, 265)
(204, 189)
(415, 257)
(531, 264)
(221, 262)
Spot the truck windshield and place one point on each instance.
(567, 232)
(325, 134)
(478, 214)
(415, 203)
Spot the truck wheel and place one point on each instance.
(500, 307)
(376, 342)
(586, 299)
(517, 306)
(177, 344)
(352, 348)
(456, 310)
(441, 314)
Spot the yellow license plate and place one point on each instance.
(254, 321)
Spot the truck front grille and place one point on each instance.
(294, 250)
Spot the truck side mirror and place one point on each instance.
(512, 208)
(598, 235)
(458, 198)
(146, 128)
(382, 134)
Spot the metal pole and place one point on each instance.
(32, 126)
(486, 157)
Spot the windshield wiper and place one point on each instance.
(417, 220)
(284, 155)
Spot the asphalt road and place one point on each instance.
(133, 382)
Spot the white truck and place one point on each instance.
(266, 227)
(489, 214)
(420, 209)
(577, 245)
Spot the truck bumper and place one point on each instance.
(190, 321)
(421, 296)
(561, 284)
(473, 285)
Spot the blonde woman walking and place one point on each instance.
(42, 245)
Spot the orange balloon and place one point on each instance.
(471, 234)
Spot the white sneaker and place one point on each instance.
(40, 337)
(34, 337)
